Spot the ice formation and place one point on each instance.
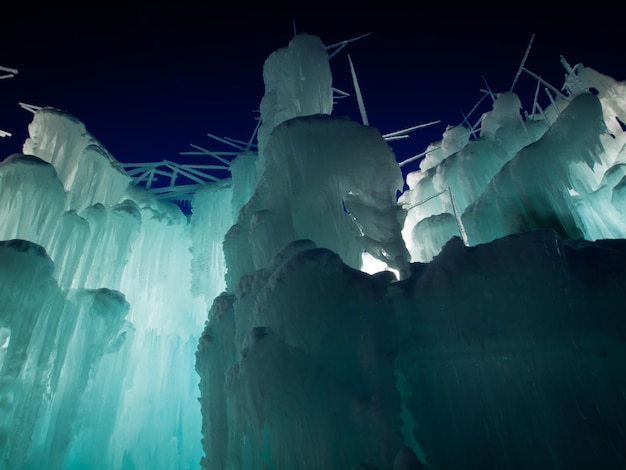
(503, 348)
(565, 165)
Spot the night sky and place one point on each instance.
(148, 79)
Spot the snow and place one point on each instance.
(310, 312)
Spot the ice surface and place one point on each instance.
(118, 312)
(63, 141)
(538, 180)
(56, 344)
(561, 170)
(101, 235)
(313, 166)
(296, 363)
(297, 83)
(522, 366)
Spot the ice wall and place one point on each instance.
(78, 158)
(505, 354)
(325, 191)
(512, 354)
(313, 166)
(534, 189)
(309, 379)
(127, 383)
(322, 168)
(54, 346)
(560, 168)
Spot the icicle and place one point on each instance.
(492, 94)
(339, 49)
(8, 69)
(393, 134)
(10, 72)
(535, 104)
(416, 157)
(476, 106)
(568, 68)
(466, 121)
(203, 151)
(457, 216)
(537, 77)
(423, 201)
(225, 141)
(521, 65)
(242, 143)
(396, 137)
(30, 107)
(558, 111)
(249, 145)
(151, 178)
(357, 90)
(340, 93)
(337, 44)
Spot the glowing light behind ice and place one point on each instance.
(63, 141)
(102, 233)
(269, 305)
(562, 163)
(286, 301)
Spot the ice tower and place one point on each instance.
(100, 327)
(503, 354)
(326, 191)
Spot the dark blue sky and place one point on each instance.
(149, 80)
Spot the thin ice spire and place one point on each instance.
(521, 65)
(227, 141)
(342, 45)
(250, 145)
(30, 107)
(418, 156)
(535, 104)
(410, 129)
(457, 217)
(357, 90)
(10, 72)
(554, 89)
(489, 92)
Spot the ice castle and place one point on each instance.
(254, 333)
